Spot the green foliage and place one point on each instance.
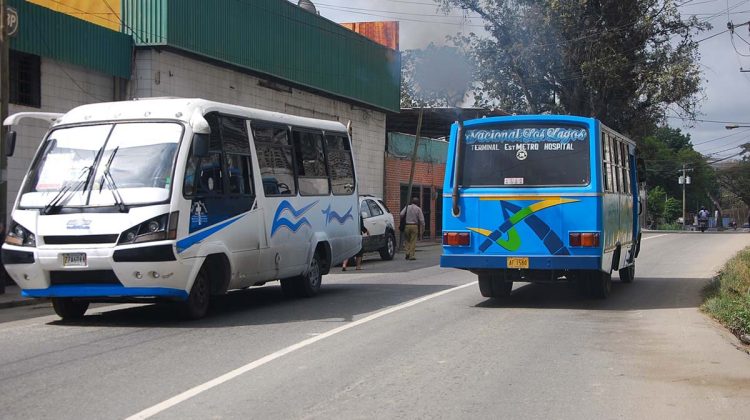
(622, 61)
(672, 209)
(655, 203)
(736, 179)
(727, 298)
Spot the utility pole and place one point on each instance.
(684, 180)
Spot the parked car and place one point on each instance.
(378, 221)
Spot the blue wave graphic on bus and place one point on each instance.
(294, 226)
(332, 215)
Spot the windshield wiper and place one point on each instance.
(107, 176)
(62, 196)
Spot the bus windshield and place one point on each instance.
(103, 165)
(526, 155)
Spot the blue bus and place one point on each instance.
(541, 198)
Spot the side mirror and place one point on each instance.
(200, 145)
(10, 143)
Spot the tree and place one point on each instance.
(736, 179)
(625, 62)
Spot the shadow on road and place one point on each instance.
(643, 293)
(267, 305)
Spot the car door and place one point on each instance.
(378, 223)
(369, 223)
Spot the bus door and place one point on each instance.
(220, 189)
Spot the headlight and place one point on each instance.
(19, 235)
(157, 229)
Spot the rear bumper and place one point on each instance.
(102, 291)
(563, 262)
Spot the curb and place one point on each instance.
(21, 302)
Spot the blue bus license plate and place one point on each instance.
(518, 262)
(77, 259)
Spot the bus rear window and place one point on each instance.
(526, 155)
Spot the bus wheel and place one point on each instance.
(67, 308)
(502, 288)
(627, 274)
(600, 284)
(308, 285)
(485, 285)
(196, 305)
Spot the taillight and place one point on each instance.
(584, 239)
(456, 238)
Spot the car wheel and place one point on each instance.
(388, 251)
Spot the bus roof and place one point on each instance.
(182, 109)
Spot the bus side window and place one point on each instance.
(275, 158)
(606, 163)
(340, 165)
(625, 167)
(237, 149)
(312, 175)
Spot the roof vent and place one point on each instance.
(307, 5)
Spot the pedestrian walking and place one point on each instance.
(414, 220)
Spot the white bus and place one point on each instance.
(178, 200)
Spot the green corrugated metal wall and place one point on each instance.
(61, 37)
(273, 37)
(430, 150)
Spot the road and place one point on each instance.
(400, 339)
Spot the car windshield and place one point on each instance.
(523, 155)
(82, 166)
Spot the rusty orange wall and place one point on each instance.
(384, 33)
(105, 13)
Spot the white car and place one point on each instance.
(378, 221)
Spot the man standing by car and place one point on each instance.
(414, 219)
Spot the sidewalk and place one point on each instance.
(12, 298)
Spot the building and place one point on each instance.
(266, 54)
(430, 162)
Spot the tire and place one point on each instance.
(68, 309)
(627, 274)
(389, 250)
(485, 285)
(306, 285)
(199, 299)
(600, 284)
(493, 286)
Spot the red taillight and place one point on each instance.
(584, 239)
(456, 238)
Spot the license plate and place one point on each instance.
(518, 262)
(74, 259)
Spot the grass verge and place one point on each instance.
(727, 297)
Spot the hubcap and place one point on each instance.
(314, 275)
(391, 246)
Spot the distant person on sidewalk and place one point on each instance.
(414, 219)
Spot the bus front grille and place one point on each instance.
(80, 239)
(84, 277)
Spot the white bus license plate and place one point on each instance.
(77, 259)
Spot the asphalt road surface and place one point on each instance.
(401, 339)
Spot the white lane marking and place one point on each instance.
(158, 408)
(652, 237)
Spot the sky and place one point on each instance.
(722, 55)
